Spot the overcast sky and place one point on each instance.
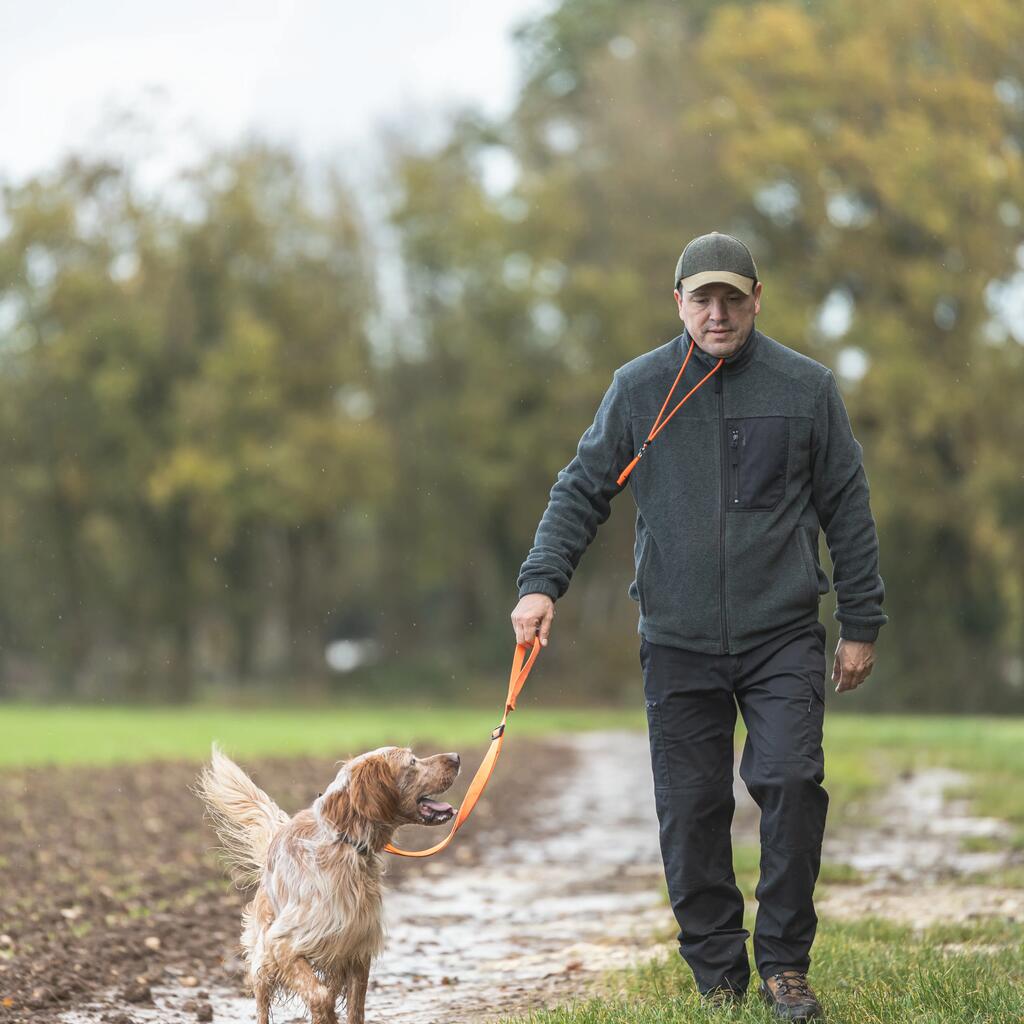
(319, 74)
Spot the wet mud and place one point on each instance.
(914, 864)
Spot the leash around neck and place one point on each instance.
(521, 666)
(659, 423)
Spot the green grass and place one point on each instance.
(859, 750)
(862, 752)
(100, 735)
(865, 972)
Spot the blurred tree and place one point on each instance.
(881, 153)
(872, 159)
(276, 451)
(77, 341)
(188, 407)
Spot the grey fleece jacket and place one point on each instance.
(729, 499)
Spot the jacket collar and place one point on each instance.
(734, 363)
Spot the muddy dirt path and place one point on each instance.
(113, 908)
(911, 865)
(111, 891)
(531, 917)
(914, 865)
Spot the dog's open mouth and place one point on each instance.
(434, 812)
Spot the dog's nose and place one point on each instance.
(454, 758)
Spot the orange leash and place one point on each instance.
(521, 666)
(659, 423)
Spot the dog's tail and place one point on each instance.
(245, 818)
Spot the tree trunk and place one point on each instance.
(244, 602)
(178, 679)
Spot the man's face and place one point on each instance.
(718, 316)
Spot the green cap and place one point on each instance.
(716, 258)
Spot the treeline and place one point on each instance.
(222, 449)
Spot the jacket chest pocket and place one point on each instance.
(757, 448)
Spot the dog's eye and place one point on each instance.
(412, 763)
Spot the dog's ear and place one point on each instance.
(372, 792)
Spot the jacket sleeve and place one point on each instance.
(580, 499)
(840, 494)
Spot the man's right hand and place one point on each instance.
(531, 616)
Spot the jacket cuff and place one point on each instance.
(539, 586)
(859, 634)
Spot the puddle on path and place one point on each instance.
(919, 832)
(538, 918)
(534, 923)
(914, 861)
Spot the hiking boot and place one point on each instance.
(720, 998)
(789, 995)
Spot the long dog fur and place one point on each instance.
(315, 922)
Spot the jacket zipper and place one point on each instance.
(720, 389)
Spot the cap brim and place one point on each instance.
(744, 284)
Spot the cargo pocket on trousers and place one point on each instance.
(659, 758)
(815, 715)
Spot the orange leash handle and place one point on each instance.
(659, 423)
(521, 665)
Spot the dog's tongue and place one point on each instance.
(437, 807)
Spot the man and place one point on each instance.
(730, 495)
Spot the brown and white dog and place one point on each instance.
(315, 922)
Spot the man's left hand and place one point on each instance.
(853, 664)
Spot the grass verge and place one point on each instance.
(990, 750)
(865, 972)
(100, 735)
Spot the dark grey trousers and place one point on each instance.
(691, 714)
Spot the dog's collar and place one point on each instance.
(361, 848)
